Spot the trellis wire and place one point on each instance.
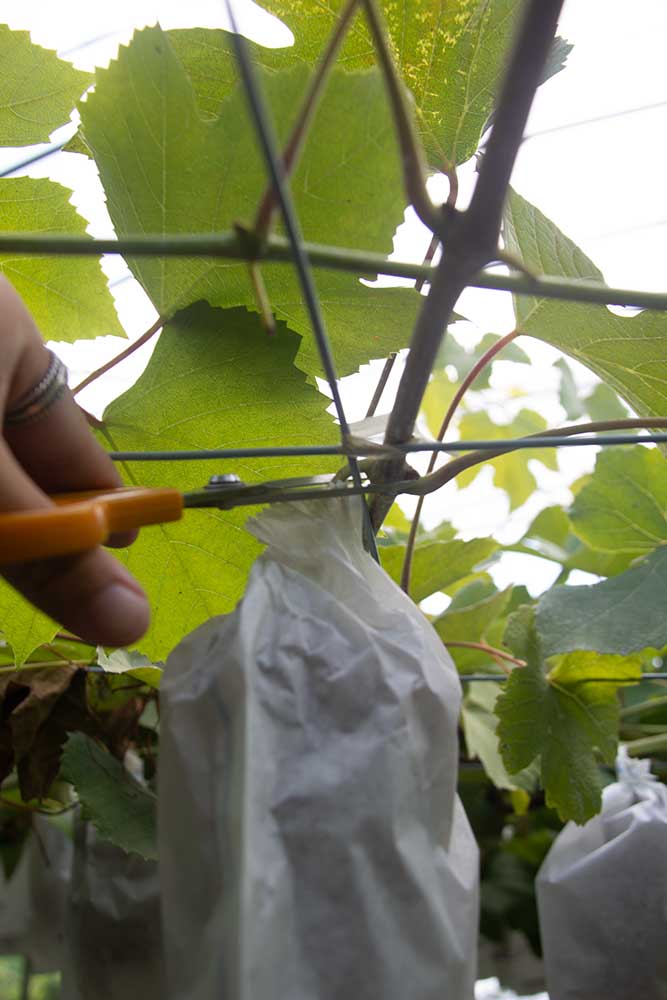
(292, 451)
(627, 681)
(33, 158)
(231, 245)
(274, 164)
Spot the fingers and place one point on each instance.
(91, 594)
(58, 451)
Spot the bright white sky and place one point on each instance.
(601, 182)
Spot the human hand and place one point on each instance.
(91, 594)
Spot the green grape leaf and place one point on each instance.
(437, 564)
(67, 296)
(77, 145)
(200, 175)
(569, 396)
(511, 472)
(519, 629)
(396, 521)
(623, 506)
(474, 608)
(562, 715)
(37, 90)
(550, 536)
(23, 626)
(604, 404)
(453, 353)
(216, 380)
(621, 615)
(130, 662)
(628, 353)
(439, 394)
(480, 725)
(557, 58)
(123, 811)
(593, 561)
(450, 55)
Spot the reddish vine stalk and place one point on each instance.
(477, 368)
(497, 654)
(126, 353)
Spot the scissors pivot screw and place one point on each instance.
(226, 479)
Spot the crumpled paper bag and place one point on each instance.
(113, 930)
(88, 909)
(602, 896)
(312, 845)
(32, 901)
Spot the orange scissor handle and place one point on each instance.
(80, 521)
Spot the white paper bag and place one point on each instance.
(312, 845)
(113, 934)
(602, 896)
(33, 900)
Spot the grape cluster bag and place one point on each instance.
(312, 845)
(602, 896)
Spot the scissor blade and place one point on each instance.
(243, 495)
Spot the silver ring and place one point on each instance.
(33, 404)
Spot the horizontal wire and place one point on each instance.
(566, 126)
(33, 158)
(290, 451)
(231, 245)
(502, 678)
(623, 231)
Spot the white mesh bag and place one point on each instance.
(312, 845)
(602, 896)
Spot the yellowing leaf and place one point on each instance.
(450, 54)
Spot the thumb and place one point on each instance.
(91, 594)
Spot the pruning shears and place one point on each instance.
(81, 521)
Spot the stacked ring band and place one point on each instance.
(33, 404)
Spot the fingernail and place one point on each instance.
(118, 614)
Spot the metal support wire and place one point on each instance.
(33, 158)
(626, 681)
(291, 451)
(274, 164)
(233, 245)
